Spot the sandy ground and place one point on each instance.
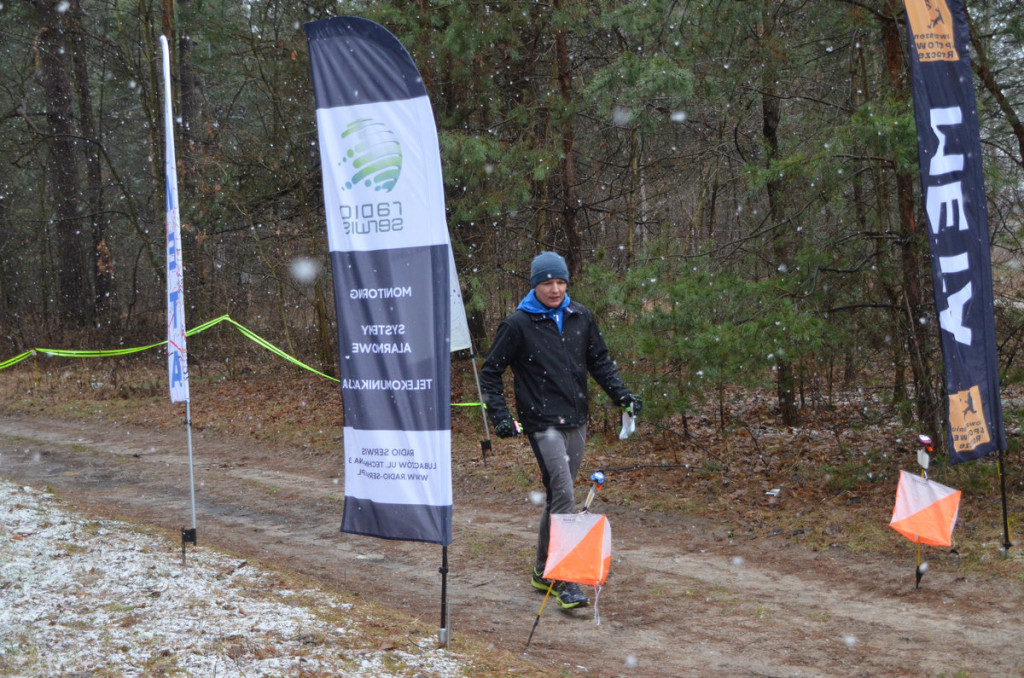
(684, 597)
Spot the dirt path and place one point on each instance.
(683, 599)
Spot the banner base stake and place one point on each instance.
(1007, 544)
(188, 536)
(442, 634)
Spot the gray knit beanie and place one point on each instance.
(548, 265)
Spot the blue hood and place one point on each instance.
(531, 304)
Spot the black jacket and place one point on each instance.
(549, 369)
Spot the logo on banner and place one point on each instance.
(932, 25)
(371, 154)
(967, 419)
(371, 159)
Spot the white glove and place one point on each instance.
(628, 425)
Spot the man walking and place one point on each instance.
(551, 343)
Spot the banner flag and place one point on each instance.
(177, 356)
(953, 191)
(391, 261)
(460, 338)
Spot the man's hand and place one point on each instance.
(633, 403)
(508, 428)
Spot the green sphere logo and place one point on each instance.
(371, 154)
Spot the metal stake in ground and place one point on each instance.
(923, 458)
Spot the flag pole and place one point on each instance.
(461, 339)
(442, 635)
(191, 474)
(188, 536)
(176, 349)
(1002, 487)
(924, 459)
(485, 444)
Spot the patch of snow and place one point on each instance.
(97, 596)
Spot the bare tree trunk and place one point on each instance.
(632, 195)
(771, 115)
(52, 50)
(929, 410)
(574, 254)
(101, 259)
(187, 95)
(325, 354)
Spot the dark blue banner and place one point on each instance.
(953, 191)
(390, 256)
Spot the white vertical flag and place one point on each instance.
(460, 339)
(177, 357)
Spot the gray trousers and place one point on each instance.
(559, 453)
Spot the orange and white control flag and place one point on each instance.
(925, 511)
(580, 548)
